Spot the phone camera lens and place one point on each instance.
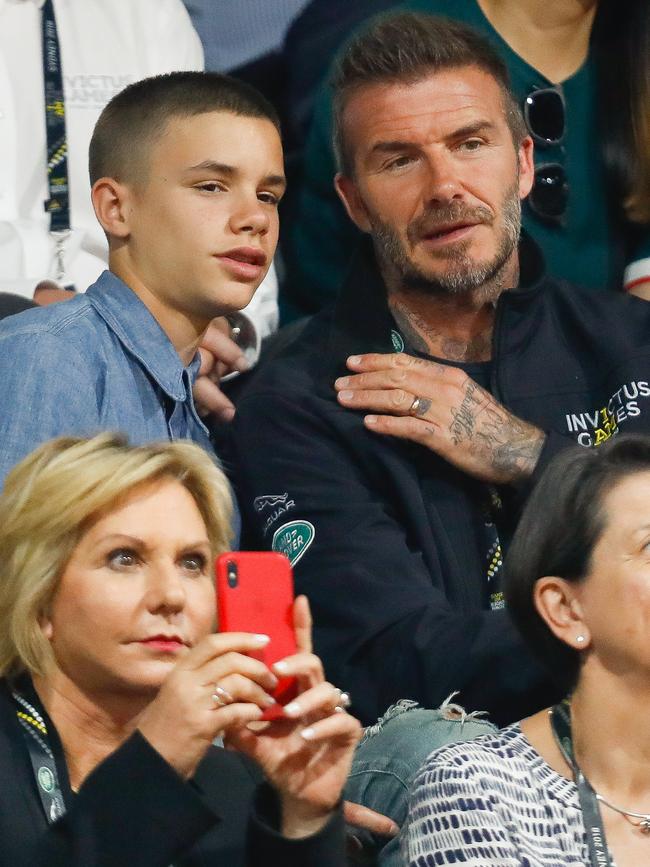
(231, 572)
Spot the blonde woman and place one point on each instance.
(114, 684)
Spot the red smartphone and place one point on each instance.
(255, 594)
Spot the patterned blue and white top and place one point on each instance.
(493, 801)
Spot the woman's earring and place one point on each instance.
(580, 639)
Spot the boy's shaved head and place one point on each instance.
(138, 116)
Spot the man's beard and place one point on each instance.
(462, 274)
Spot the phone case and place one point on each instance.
(255, 594)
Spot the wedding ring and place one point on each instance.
(415, 406)
(221, 696)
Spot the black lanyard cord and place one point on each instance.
(593, 822)
(58, 202)
(41, 757)
(36, 737)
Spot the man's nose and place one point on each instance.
(442, 180)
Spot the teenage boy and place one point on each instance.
(186, 172)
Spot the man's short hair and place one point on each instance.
(407, 47)
(137, 116)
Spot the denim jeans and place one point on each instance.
(392, 751)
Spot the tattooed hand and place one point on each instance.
(454, 417)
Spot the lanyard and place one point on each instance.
(42, 758)
(598, 851)
(58, 203)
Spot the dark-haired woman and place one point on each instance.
(571, 784)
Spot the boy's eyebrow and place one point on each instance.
(225, 169)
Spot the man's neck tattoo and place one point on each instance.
(424, 337)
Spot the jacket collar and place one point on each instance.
(362, 321)
(141, 335)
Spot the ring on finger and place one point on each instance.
(414, 409)
(221, 696)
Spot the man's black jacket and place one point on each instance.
(384, 535)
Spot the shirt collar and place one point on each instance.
(141, 335)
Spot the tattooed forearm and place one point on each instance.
(517, 458)
(508, 445)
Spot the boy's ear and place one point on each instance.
(112, 203)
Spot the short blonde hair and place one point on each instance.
(52, 497)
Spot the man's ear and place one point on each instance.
(526, 167)
(349, 195)
(112, 203)
(559, 605)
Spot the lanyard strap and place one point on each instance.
(58, 203)
(596, 841)
(42, 758)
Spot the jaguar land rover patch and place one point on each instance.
(293, 539)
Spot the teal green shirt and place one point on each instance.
(321, 238)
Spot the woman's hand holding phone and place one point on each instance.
(306, 754)
(184, 718)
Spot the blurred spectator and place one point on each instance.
(104, 45)
(311, 42)
(235, 33)
(244, 38)
(591, 207)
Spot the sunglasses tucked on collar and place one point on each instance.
(545, 116)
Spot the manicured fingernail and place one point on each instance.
(370, 419)
(342, 381)
(307, 734)
(346, 395)
(292, 709)
(354, 360)
(280, 666)
(261, 640)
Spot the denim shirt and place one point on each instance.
(97, 362)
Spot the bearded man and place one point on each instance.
(387, 452)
